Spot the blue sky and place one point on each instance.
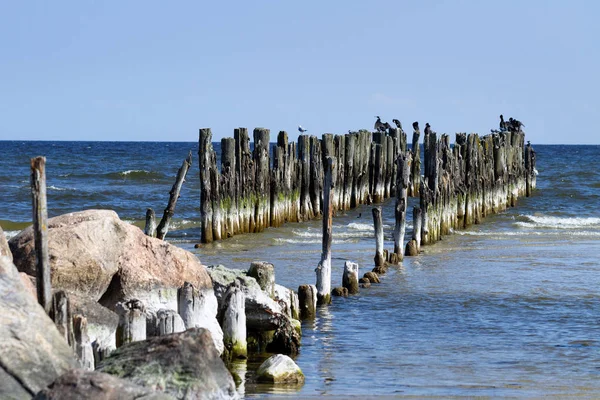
(154, 70)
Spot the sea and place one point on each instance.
(506, 308)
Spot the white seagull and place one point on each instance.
(301, 129)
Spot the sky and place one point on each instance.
(159, 71)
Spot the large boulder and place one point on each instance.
(32, 351)
(95, 255)
(4, 249)
(184, 365)
(89, 385)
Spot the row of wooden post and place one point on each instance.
(252, 190)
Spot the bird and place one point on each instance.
(416, 125)
(385, 126)
(378, 124)
(502, 123)
(301, 129)
(398, 123)
(427, 128)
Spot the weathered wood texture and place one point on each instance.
(40, 229)
(323, 270)
(477, 176)
(163, 226)
(255, 190)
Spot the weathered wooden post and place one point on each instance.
(263, 179)
(163, 226)
(150, 228)
(307, 299)
(416, 164)
(207, 163)
(167, 322)
(264, 273)
(323, 270)
(403, 166)
(60, 313)
(132, 322)
(378, 225)
(40, 231)
(83, 346)
(414, 246)
(350, 277)
(233, 321)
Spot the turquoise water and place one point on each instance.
(510, 307)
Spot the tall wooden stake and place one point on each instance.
(163, 227)
(40, 231)
(150, 228)
(323, 270)
(378, 225)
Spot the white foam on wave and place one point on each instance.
(59, 189)
(544, 221)
(312, 241)
(134, 171)
(527, 233)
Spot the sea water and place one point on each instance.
(509, 307)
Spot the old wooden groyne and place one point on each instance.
(460, 184)
(253, 190)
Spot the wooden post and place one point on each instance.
(323, 270)
(233, 321)
(416, 165)
(307, 299)
(60, 313)
(207, 163)
(403, 176)
(378, 225)
(40, 232)
(264, 273)
(83, 346)
(132, 322)
(262, 188)
(414, 246)
(167, 322)
(150, 228)
(350, 277)
(163, 227)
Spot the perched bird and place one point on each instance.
(378, 124)
(416, 125)
(427, 129)
(385, 126)
(398, 123)
(502, 123)
(301, 129)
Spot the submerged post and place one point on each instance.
(378, 225)
(307, 299)
(323, 270)
(163, 227)
(40, 231)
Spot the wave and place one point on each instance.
(526, 233)
(312, 241)
(136, 174)
(60, 189)
(544, 221)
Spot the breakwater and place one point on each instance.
(460, 184)
(253, 190)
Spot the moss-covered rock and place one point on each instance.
(280, 369)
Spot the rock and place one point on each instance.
(95, 255)
(184, 365)
(411, 249)
(364, 280)
(380, 269)
(340, 292)
(32, 351)
(366, 284)
(4, 249)
(372, 276)
(78, 384)
(280, 368)
(264, 273)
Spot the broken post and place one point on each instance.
(307, 299)
(132, 322)
(264, 273)
(350, 277)
(378, 225)
(60, 313)
(323, 270)
(150, 228)
(233, 321)
(40, 231)
(163, 227)
(414, 246)
(83, 346)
